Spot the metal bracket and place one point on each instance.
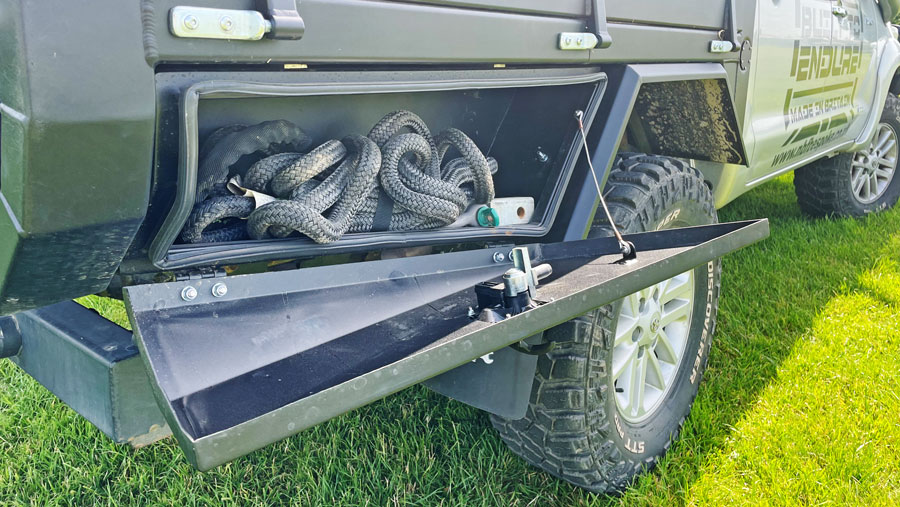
(577, 41)
(522, 262)
(284, 22)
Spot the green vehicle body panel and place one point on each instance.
(79, 104)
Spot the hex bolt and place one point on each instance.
(189, 293)
(499, 257)
(219, 290)
(191, 22)
(226, 23)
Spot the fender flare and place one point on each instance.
(887, 69)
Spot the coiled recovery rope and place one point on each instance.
(393, 179)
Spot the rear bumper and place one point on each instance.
(93, 366)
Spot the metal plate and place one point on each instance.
(226, 24)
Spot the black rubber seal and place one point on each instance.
(382, 219)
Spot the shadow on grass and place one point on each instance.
(772, 293)
(823, 430)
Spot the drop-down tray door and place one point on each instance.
(274, 353)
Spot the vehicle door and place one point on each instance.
(793, 90)
(855, 36)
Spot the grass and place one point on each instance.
(800, 404)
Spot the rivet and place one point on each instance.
(226, 23)
(191, 22)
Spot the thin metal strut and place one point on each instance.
(627, 248)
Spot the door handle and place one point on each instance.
(839, 11)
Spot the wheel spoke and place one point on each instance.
(633, 303)
(655, 375)
(636, 386)
(674, 311)
(664, 348)
(676, 288)
(858, 182)
(886, 163)
(888, 145)
(883, 136)
(884, 173)
(624, 330)
(662, 287)
(619, 369)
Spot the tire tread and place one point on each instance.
(566, 430)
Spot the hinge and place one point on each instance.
(200, 274)
(281, 20)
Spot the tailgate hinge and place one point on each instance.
(280, 20)
(200, 274)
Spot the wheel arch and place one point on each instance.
(888, 80)
(650, 98)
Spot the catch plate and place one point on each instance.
(227, 24)
(577, 41)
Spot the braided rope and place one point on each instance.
(335, 188)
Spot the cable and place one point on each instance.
(626, 247)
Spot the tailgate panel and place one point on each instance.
(283, 351)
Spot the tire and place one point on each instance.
(838, 185)
(574, 427)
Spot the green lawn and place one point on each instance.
(801, 403)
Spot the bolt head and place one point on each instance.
(499, 257)
(226, 23)
(189, 293)
(191, 22)
(219, 290)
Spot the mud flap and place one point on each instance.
(275, 353)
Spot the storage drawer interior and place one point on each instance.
(529, 130)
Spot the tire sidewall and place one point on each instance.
(649, 438)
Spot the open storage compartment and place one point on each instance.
(522, 118)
